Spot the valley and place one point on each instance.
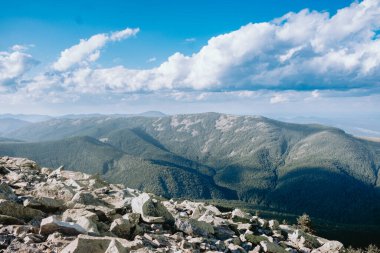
(289, 168)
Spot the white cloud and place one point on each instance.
(304, 58)
(315, 94)
(123, 34)
(305, 50)
(279, 98)
(88, 50)
(15, 64)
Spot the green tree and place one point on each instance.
(304, 223)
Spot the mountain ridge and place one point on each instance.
(262, 160)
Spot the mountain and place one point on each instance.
(151, 114)
(90, 155)
(363, 125)
(26, 117)
(143, 114)
(287, 167)
(2, 139)
(9, 124)
(46, 210)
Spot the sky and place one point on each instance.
(288, 58)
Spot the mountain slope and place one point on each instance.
(286, 166)
(87, 154)
(9, 124)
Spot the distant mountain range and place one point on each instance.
(11, 122)
(287, 167)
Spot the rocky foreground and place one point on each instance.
(44, 210)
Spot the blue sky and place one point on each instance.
(277, 58)
(165, 25)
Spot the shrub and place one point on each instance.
(304, 223)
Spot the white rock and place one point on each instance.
(329, 247)
(52, 224)
(151, 210)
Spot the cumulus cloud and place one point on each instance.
(279, 98)
(123, 34)
(307, 56)
(305, 50)
(88, 50)
(14, 64)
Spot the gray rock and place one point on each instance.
(85, 198)
(13, 209)
(6, 192)
(151, 210)
(329, 247)
(303, 240)
(89, 225)
(121, 227)
(52, 224)
(44, 204)
(240, 216)
(9, 220)
(54, 189)
(194, 227)
(86, 244)
(87, 207)
(272, 247)
(134, 218)
(274, 224)
(75, 214)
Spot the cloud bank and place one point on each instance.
(298, 57)
(304, 50)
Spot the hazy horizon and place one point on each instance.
(364, 126)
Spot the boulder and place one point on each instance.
(54, 189)
(223, 232)
(329, 247)
(85, 198)
(86, 244)
(194, 227)
(75, 214)
(13, 209)
(274, 224)
(302, 239)
(94, 216)
(133, 218)
(52, 224)
(212, 219)
(272, 247)
(199, 209)
(88, 224)
(44, 204)
(256, 239)
(151, 209)
(9, 220)
(6, 192)
(5, 240)
(121, 227)
(238, 215)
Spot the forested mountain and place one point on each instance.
(10, 124)
(289, 167)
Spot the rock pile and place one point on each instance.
(43, 210)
